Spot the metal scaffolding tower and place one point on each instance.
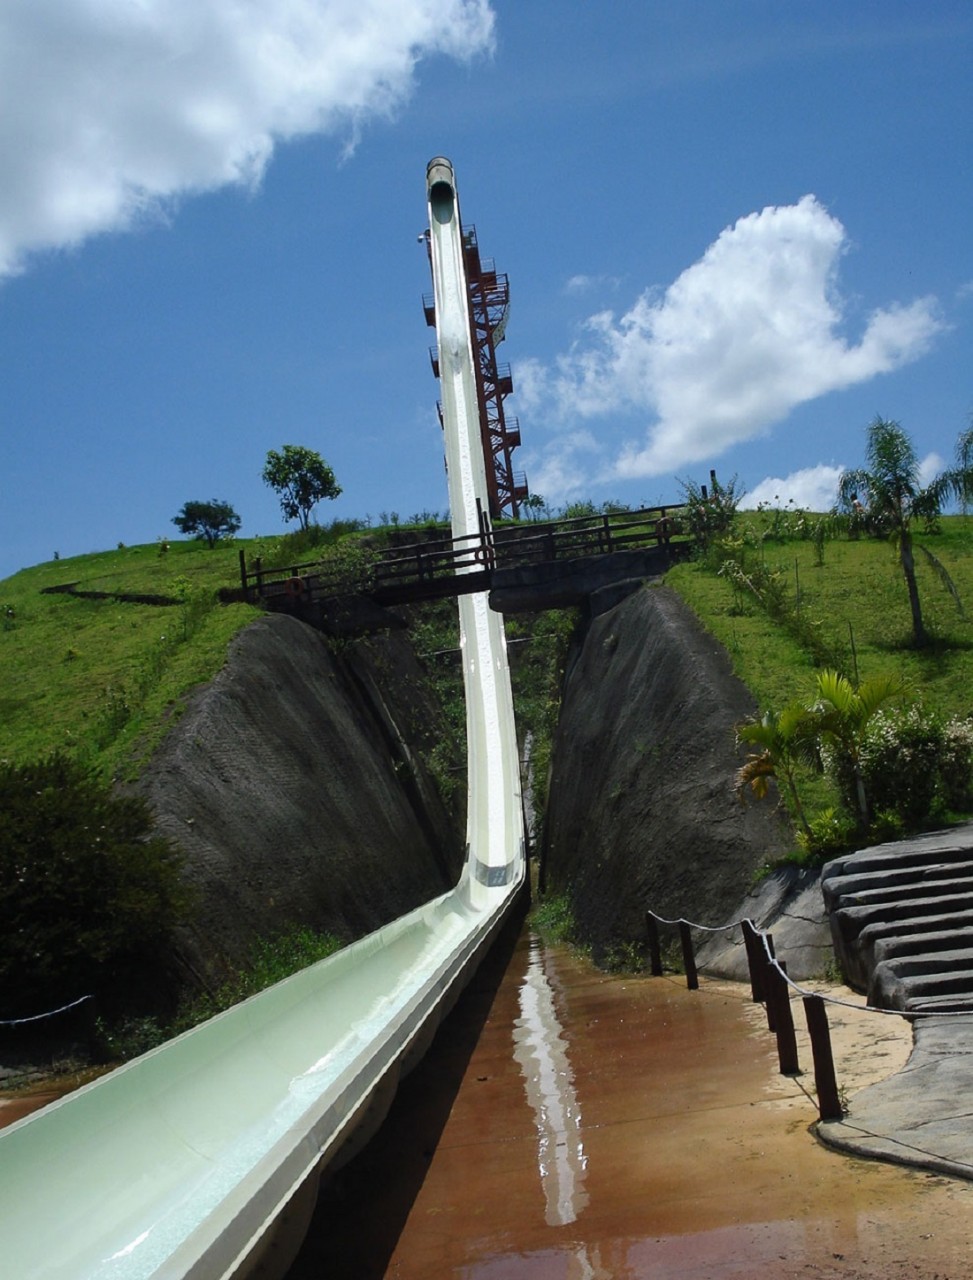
(489, 306)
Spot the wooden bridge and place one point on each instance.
(531, 557)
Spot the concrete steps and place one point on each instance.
(902, 921)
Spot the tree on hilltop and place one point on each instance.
(211, 520)
(301, 478)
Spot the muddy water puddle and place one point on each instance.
(570, 1125)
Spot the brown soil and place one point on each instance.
(651, 1137)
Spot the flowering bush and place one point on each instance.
(708, 516)
(914, 765)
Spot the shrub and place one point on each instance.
(915, 767)
(708, 516)
(830, 832)
(271, 959)
(85, 888)
(956, 765)
(553, 919)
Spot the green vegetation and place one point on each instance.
(301, 479)
(86, 890)
(210, 521)
(271, 960)
(887, 499)
(538, 647)
(100, 651)
(434, 630)
(791, 594)
(537, 650)
(553, 919)
(101, 678)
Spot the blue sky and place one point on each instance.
(735, 232)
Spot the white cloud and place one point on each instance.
(563, 471)
(930, 466)
(111, 108)
(816, 488)
(741, 338)
(813, 489)
(581, 284)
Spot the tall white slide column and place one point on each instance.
(495, 823)
(200, 1160)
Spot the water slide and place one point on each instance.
(202, 1158)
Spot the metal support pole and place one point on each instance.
(829, 1104)
(655, 950)
(689, 960)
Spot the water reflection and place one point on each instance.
(541, 1053)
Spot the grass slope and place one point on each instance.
(841, 603)
(102, 677)
(856, 602)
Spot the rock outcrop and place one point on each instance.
(295, 784)
(642, 810)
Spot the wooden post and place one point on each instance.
(655, 951)
(754, 949)
(689, 960)
(243, 574)
(767, 970)
(783, 1016)
(829, 1104)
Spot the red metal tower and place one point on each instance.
(489, 297)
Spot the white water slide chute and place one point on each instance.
(201, 1159)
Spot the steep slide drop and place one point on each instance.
(201, 1159)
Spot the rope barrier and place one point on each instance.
(802, 991)
(40, 1017)
(704, 928)
(771, 986)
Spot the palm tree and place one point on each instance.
(840, 716)
(894, 498)
(786, 740)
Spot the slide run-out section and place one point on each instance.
(201, 1159)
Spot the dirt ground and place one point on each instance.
(580, 1126)
(573, 1125)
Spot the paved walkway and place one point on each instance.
(921, 1116)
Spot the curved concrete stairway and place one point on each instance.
(902, 921)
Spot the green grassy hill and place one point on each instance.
(839, 602)
(102, 677)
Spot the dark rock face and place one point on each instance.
(642, 810)
(295, 785)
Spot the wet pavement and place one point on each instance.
(574, 1125)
